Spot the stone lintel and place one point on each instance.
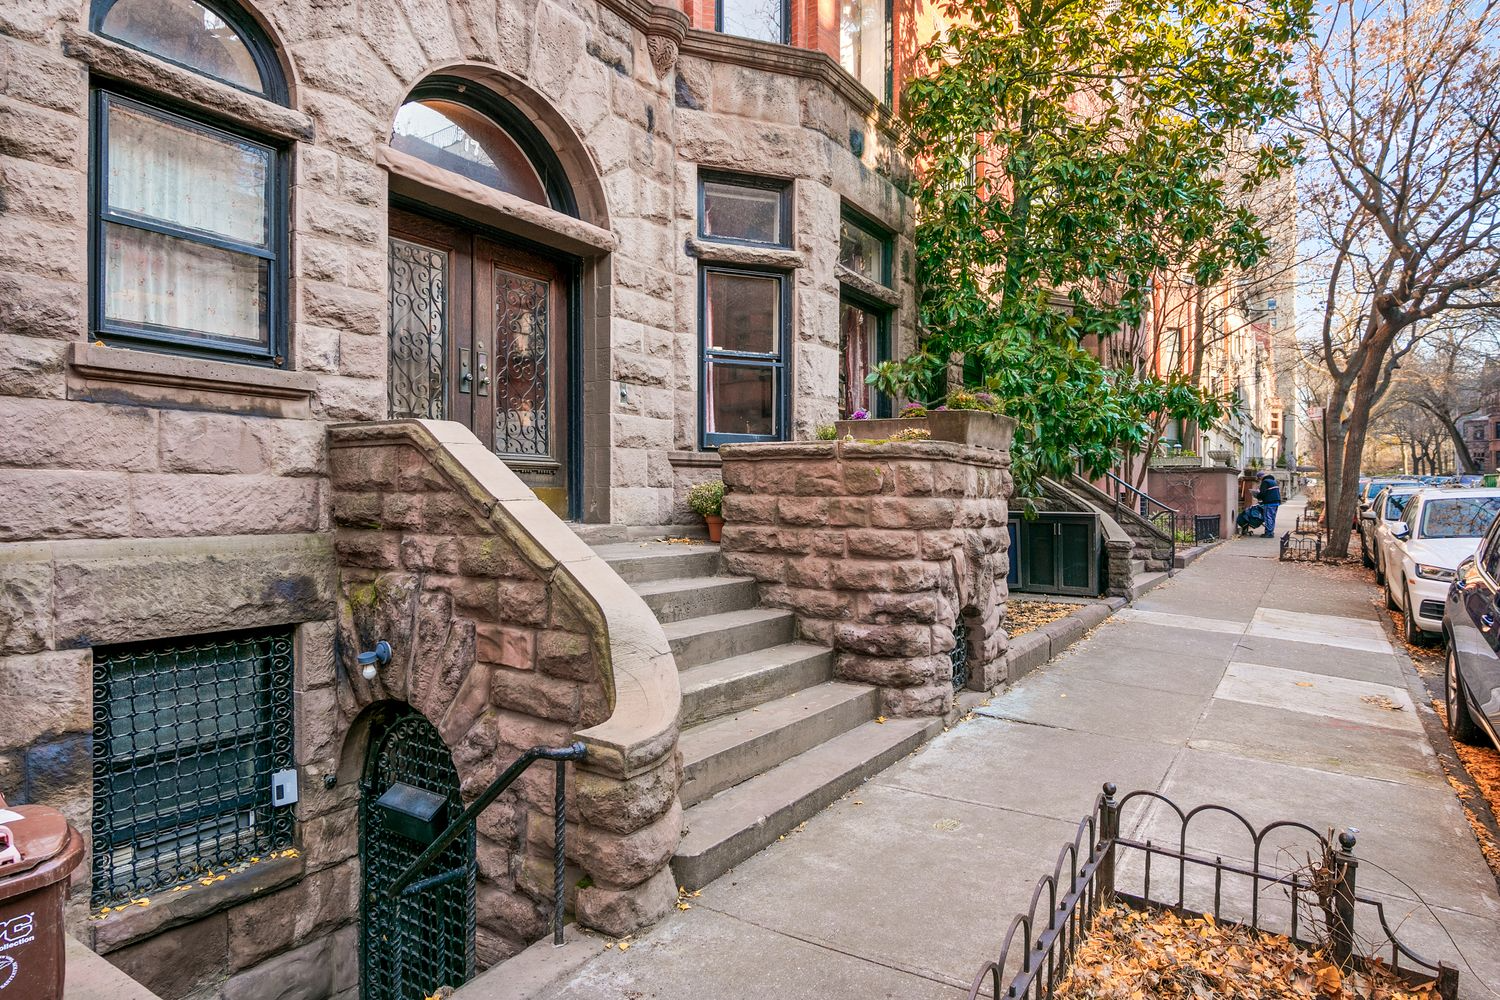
(445, 189)
(114, 61)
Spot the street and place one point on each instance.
(1270, 687)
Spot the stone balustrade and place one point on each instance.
(882, 549)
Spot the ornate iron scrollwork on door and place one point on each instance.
(522, 370)
(419, 333)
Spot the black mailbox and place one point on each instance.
(414, 812)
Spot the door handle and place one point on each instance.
(484, 374)
(465, 377)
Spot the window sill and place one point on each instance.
(694, 459)
(124, 64)
(103, 374)
(730, 253)
(869, 289)
(169, 909)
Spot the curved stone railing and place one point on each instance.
(433, 527)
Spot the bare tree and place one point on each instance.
(1452, 373)
(1401, 194)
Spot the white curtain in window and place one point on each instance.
(195, 182)
(187, 178)
(151, 280)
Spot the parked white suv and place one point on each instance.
(1375, 524)
(1438, 530)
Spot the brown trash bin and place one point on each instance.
(32, 890)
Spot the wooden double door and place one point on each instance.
(479, 333)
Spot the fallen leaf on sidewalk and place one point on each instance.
(1381, 701)
(1304, 684)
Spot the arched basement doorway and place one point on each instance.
(485, 315)
(423, 939)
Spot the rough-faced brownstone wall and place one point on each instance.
(500, 658)
(881, 549)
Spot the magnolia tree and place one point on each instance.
(1400, 120)
(1069, 151)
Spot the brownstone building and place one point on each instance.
(603, 237)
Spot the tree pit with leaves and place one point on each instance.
(1148, 954)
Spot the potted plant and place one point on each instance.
(707, 498)
(972, 418)
(863, 427)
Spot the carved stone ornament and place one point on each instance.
(663, 51)
(665, 31)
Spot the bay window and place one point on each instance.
(744, 320)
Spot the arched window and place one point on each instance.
(189, 213)
(467, 130)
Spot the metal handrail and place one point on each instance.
(561, 755)
(1140, 506)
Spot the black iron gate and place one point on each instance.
(422, 939)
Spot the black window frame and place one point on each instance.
(513, 121)
(786, 24)
(269, 740)
(781, 186)
(779, 362)
(262, 52)
(275, 352)
(870, 227)
(883, 315)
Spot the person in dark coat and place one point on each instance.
(1269, 498)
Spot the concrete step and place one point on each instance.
(720, 754)
(728, 828)
(750, 679)
(642, 562)
(696, 596)
(1141, 583)
(697, 641)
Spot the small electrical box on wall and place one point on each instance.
(284, 787)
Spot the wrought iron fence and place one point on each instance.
(1101, 867)
(1197, 529)
(407, 884)
(1308, 524)
(1300, 548)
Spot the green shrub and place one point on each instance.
(707, 498)
(827, 432)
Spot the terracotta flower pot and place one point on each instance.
(715, 525)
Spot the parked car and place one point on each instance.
(1438, 530)
(1471, 624)
(1368, 492)
(1383, 512)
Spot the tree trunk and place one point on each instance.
(1463, 461)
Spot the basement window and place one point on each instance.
(187, 734)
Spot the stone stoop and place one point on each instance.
(769, 738)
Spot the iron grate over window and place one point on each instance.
(960, 655)
(187, 733)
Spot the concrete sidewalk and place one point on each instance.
(1270, 687)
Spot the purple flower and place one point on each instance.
(943, 407)
(859, 415)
